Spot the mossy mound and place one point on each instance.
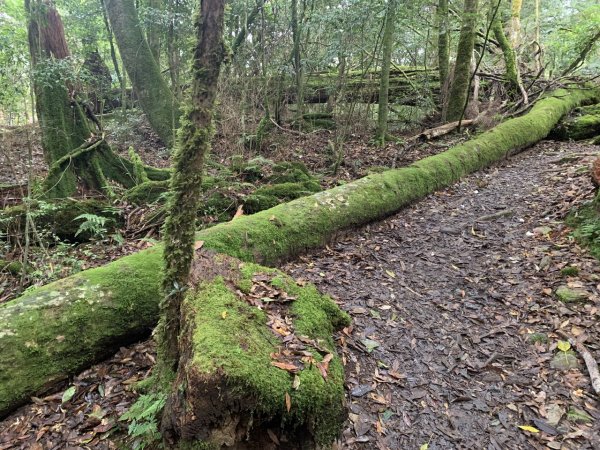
(269, 196)
(240, 323)
(584, 123)
(57, 217)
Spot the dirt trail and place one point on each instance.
(444, 297)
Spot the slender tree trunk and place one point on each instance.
(173, 51)
(539, 53)
(515, 23)
(297, 61)
(443, 42)
(384, 84)
(510, 61)
(462, 70)
(193, 143)
(113, 53)
(241, 36)
(152, 91)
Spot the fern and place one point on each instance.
(93, 224)
(143, 419)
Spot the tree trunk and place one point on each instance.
(84, 317)
(510, 60)
(443, 42)
(77, 158)
(384, 82)
(515, 23)
(155, 97)
(459, 94)
(193, 144)
(297, 62)
(153, 29)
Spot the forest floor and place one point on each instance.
(455, 324)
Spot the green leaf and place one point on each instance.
(370, 344)
(68, 394)
(563, 346)
(424, 447)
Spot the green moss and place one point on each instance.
(147, 192)
(59, 329)
(570, 271)
(268, 237)
(585, 222)
(231, 340)
(58, 217)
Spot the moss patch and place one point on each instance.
(232, 344)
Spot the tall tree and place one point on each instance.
(443, 41)
(297, 60)
(152, 91)
(193, 143)
(510, 60)
(459, 94)
(515, 22)
(384, 83)
(78, 157)
(153, 29)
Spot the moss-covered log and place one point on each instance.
(583, 124)
(228, 387)
(57, 218)
(128, 290)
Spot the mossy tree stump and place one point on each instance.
(257, 354)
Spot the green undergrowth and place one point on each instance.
(585, 222)
(231, 339)
(255, 185)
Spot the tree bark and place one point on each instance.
(297, 61)
(462, 71)
(515, 23)
(384, 82)
(155, 97)
(510, 60)
(192, 145)
(84, 317)
(153, 29)
(443, 42)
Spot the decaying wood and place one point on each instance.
(442, 130)
(590, 363)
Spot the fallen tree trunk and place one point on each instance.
(57, 330)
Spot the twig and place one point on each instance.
(506, 212)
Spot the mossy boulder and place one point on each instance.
(258, 354)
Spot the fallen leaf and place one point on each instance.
(288, 402)
(285, 366)
(529, 428)
(198, 245)
(68, 394)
